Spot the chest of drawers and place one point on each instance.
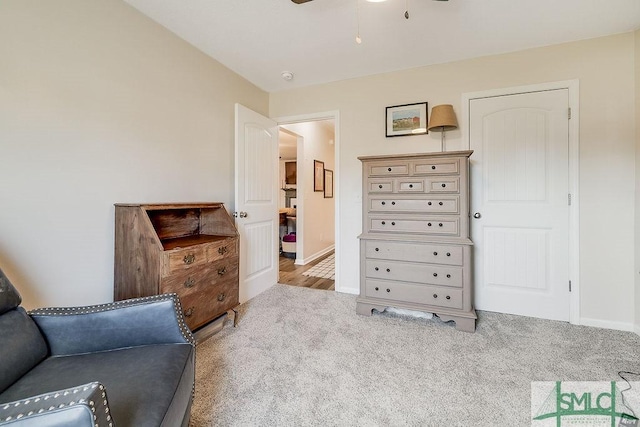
(415, 250)
(190, 249)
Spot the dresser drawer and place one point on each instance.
(431, 205)
(443, 185)
(380, 186)
(435, 166)
(439, 226)
(408, 292)
(222, 249)
(184, 259)
(388, 168)
(414, 252)
(199, 279)
(431, 274)
(199, 308)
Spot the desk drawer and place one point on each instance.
(430, 205)
(184, 259)
(420, 294)
(414, 252)
(437, 226)
(414, 272)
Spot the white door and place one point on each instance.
(256, 200)
(519, 203)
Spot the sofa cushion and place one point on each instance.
(140, 381)
(9, 296)
(22, 348)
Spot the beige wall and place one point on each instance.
(605, 69)
(637, 199)
(98, 104)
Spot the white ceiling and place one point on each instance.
(259, 39)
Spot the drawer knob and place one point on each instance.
(377, 249)
(440, 203)
(189, 283)
(222, 250)
(435, 254)
(393, 203)
(444, 185)
(380, 186)
(377, 288)
(435, 295)
(428, 224)
(433, 167)
(222, 271)
(435, 274)
(389, 169)
(429, 203)
(410, 185)
(383, 222)
(388, 270)
(388, 290)
(448, 253)
(189, 312)
(221, 297)
(393, 223)
(448, 276)
(440, 225)
(376, 269)
(189, 259)
(448, 297)
(384, 203)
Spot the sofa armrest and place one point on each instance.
(82, 406)
(141, 321)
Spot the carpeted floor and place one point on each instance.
(302, 357)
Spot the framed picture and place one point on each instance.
(328, 184)
(318, 175)
(409, 119)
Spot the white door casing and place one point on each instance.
(520, 189)
(256, 200)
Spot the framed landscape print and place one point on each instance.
(318, 175)
(328, 183)
(409, 119)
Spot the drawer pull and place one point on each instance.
(189, 283)
(448, 253)
(440, 203)
(389, 169)
(448, 276)
(222, 271)
(440, 225)
(435, 295)
(393, 203)
(377, 249)
(376, 269)
(435, 254)
(428, 224)
(189, 259)
(222, 250)
(189, 312)
(388, 270)
(433, 167)
(435, 274)
(383, 223)
(384, 203)
(221, 297)
(410, 185)
(448, 297)
(388, 290)
(444, 185)
(429, 203)
(377, 288)
(380, 186)
(393, 223)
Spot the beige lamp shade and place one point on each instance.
(443, 118)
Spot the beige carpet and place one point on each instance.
(302, 357)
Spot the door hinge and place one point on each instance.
(569, 113)
(569, 199)
(569, 285)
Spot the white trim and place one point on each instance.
(609, 324)
(573, 87)
(335, 115)
(315, 256)
(636, 329)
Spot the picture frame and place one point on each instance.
(406, 120)
(318, 175)
(328, 184)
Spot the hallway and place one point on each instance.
(291, 274)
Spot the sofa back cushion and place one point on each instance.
(9, 296)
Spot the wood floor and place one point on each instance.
(291, 274)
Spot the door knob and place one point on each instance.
(243, 214)
(477, 215)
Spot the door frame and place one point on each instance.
(335, 116)
(573, 87)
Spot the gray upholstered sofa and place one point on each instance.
(128, 363)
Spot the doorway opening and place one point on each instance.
(306, 204)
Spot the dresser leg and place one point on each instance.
(365, 309)
(235, 315)
(463, 324)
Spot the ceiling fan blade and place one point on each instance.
(300, 1)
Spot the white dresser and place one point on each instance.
(415, 251)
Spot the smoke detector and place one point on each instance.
(287, 75)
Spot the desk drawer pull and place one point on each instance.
(189, 283)
(221, 297)
(222, 271)
(189, 259)
(222, 250)
(189, 312)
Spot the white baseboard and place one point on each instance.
(315, 256)
(610, 324)
(344, 290)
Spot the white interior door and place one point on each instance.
(520, 203)
(256, 200)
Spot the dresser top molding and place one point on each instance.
(465, 153)
(153, 206)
